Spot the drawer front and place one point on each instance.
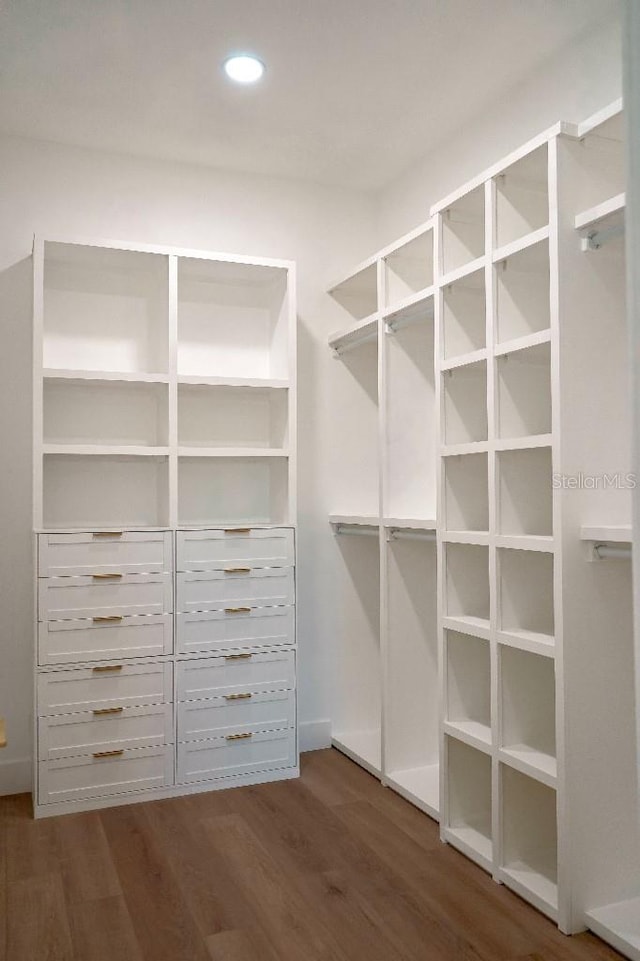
(236, 714)
(64, 642)
(106, 685)
(235, 674)
(61, 598)
(217, 630)
(106, 729)
(239, 547)
(205, 760)
(130, 552)
(213, 590)
(73, 778)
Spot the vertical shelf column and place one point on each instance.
(173, 390)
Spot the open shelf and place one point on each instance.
(104, 310)
(468, 818)
(467, 582)
(524, 392)
(358, 294)
(465, 404)
(364, 332)
(527, 711)
(525, 492)
(609, 213)
(411, 703)
(522, 197)
(463, 231)
(464, 315)
(410, 488)
(357, 678)
(526, 592)
(529, 839)
(618, 925)
(609, 535)
(409, 268)
(468, 674)
(523, 304)
(420, 785)
(84, 377)
(77, 412)
(233, 319)
(228, 490)
(466, 493)
(106, 491)
(232, 417)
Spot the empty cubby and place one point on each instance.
(409, 269)
(464, 315)
(469, 795)
(104, 309)
(529, 833)
(523, 304)
(526, 592)
(467, 581)
(233, 319)
(104, 412)
(466, 492)
(522, 197)
(232, 416)
(528, 704)
(468, 672)
(524, 392)
(465, 403)
(463, 230)
(525, 491)
(230, 490)
(358, 295)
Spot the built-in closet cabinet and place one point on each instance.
(498, 684)
(164, 510)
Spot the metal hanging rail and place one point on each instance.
(367, 530)
(603, 551)
(402, 533)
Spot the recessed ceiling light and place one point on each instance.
(244, 68)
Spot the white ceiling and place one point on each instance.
(355, 90)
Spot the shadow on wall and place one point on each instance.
(16, 558)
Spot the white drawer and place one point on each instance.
(257, 587)
(73, 778)
(230, 628)
(64, 598)
(105, 729)
(148, 552)
(235, 674)
(220, 757)
(103, 638)
(236, 714)
(240, 547)
(105, 685)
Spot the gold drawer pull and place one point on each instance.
(236, 737)
(106, 667)
(237, 697)
(237, 570)
(110, 619)
(109, 753)
(106, 577)
(108, 710)
(237, 610)
(235, 657)
(107, 533)
(238, 530)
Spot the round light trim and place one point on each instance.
(244, 68)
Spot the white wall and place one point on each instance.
(571, 86)
(49, 189)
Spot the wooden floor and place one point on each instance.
(332, 866)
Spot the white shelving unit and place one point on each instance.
(164, 398)
(537, 762)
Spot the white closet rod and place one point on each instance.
(357, 342)
(596, 239)
(392, 324)
(355, 529)
(605, 550)
(398, 533)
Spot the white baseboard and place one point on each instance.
(16, 777)
(314, 735)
